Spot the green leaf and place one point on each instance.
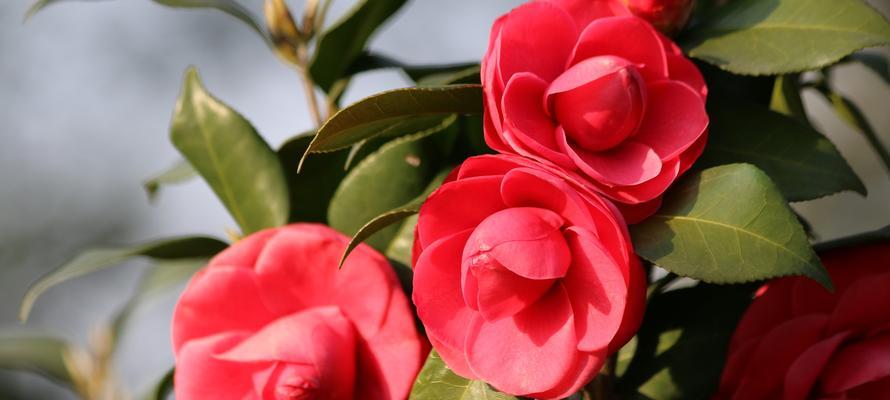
(727, 224)
(436, 382)
(802, 162)
(226, 150)
(851, 114)
(784, 36)
(390, 177)
(180, 172)
(98, 259)
(786, 98)
(425, 75)
(341, 44)
(402, 244)
(231, 7)
(876, 62)
(41, 355)
(681, 346)
(312, 188)
(395, 112)
(393, 216)
(163, 388)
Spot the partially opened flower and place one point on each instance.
(273, 318)
(590, 88)
(798, 341)
(523, 278)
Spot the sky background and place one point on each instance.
(87, 91)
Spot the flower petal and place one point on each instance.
(540, 29)
(675, 118)
(857, 364)
(586, 11)
(850, 314)
(628, 164)
(200, 375)
(458, 205)
(526, 119)
(804, 372)
(639, 44)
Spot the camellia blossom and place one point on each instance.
(272, 317)
(799, 341)
(586, 86)
(523, 278)
(669, 16)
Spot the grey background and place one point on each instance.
(86, 95)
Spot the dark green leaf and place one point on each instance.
(876, 62)
(393, 216)
(726, 85)
(681, 346)
(163, 388)
(802, 162)
(42, 355)
(727, 224)
(180, 172)
(390, 177)
(312, 188)
(98, 259)
(230, 7)
(848, 112)
(786, 98)
(395, 112)
(340, 45)
(425, 75)
(226, 150)
(784, 36)
(436, 382)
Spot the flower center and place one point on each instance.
(599, 102)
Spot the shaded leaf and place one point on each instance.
(236, 162)
(231, 7)
(727, 224)
(163, 388)
(390, 177)
(785, 36)
(681, 346)
(312, 188)
(395, 112)
(393, 216)
(876, 62)
(180, 172)
(786, 98)
(852, 115)
(802, 162)
(341, 44)
(426, 75)
(436, 382)
(98, 259)
(41, 355)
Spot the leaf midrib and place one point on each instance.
(214, 161)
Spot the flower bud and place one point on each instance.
(282, 30)
(668, 16)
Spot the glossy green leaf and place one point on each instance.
(395, 112)
(785, 36)
(180, 172)
(312, 188)
(786, 98)
(163, 388)
(401, 246)
(41, 355)
(802, 162)
(390, 177)
(231, 7)
(681, 346)
(341, 44)
(98, 259)
(727, 224)
(851, 114)
(436, 382)
(393, 216)
(236, 162)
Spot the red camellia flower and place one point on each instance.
(583, 85)
(273, 318)
(798, 341)
(669, 16)
(523, 278)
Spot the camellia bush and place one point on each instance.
(596, 209)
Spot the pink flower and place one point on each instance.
(523, 278)
(798, 341)
(583, 85)
(272, 318)
(669, 16)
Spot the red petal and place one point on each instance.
(526, 119)
(804, 372)
(526, 187)
(683, 70)
(597, 289)
(639, 44)
(675, 118)
(865, 304)
(628, 164)
(200, 375)
(586, 11)
(532, 352)
(455, 360)
(457, 206)
(858, 364)
(539, 29)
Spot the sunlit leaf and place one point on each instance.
(436, 382)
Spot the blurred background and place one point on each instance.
(87, 91)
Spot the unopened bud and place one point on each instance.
(282, 30)
(668, 16)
